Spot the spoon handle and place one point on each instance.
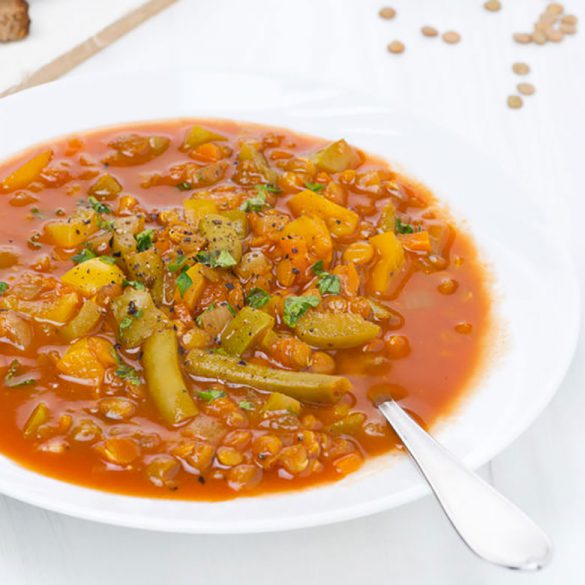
(491, 526)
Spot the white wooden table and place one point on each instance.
(463, 87)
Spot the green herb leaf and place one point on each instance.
(231, 309)
(221, 259)
(318, 268)
(177, 263)
(105, 225)
(246, 405)
(255, 203)
(83, 256)
(9, 378)
(3, 287)
(210, 395)
(144, 240)
(257, 298)
(125, 323)
(184, 186)
(37, 213)
(403, 228)
(327, 283)
(316, 187)
(296, 307)
(184, 282)
(267, 188)
(128, 373)
(134, 284)
(108, 260)
(98, 207)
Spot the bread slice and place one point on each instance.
(14, 20)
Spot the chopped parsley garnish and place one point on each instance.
(403, 228)
(255, 203)
(327, 283)
(9, 378)
(231, 309)
(184, 186)
(144, 240)
(37, 213)
(296, 307)
(134, 284)
(3, 287)
(246, 405)
(125, 323)
(97, 206)
(105, 225)
(210, 395)
(108, 259)
(316, 187)
(268, 188)
(83, 256)
(221, 259)
(177, 263)
(257, 298)
(128, 373)
(184, 282)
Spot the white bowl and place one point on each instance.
(536, 289)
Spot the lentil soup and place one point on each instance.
(199, 309)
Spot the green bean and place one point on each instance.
(303, 386)
(164, 379)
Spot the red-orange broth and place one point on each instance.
(372, 245)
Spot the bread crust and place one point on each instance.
(14, 20)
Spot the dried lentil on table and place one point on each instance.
(387, 13)
(493, 5)
(520, 68)
(526, 88)
(396, 47)
(429, 31)
(451, 37)
(515, 102)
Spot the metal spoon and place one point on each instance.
(489, 524)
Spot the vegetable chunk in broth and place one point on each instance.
(202, 309)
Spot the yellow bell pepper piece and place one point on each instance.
(27, 173)
(315, 234)
(194, 292)
(391, 258)
(199, 207)
(339, 220)
(73, 231)
(87, 359)
(91, 275)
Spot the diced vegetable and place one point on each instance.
(148, 268)
(30, 171)
(74, 230)
(277, 402)
(340, 220)
(199, 207)
(349, 425)
(214, 319)
(135, 149)
(123, 240)
(87, 359)
(390, 259)
(137, 317)
(198, 135)
(338, 156)
(417, 241)
(245, 330)
(88, 277)
(221, 236)
(84, 322)
(336, 330)
(164, 379)
(39, 416)
(57, 309)
(239, 221)
(106, 187)
(306, 387)
(250, 153)
(387, 221)
(193, 292)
